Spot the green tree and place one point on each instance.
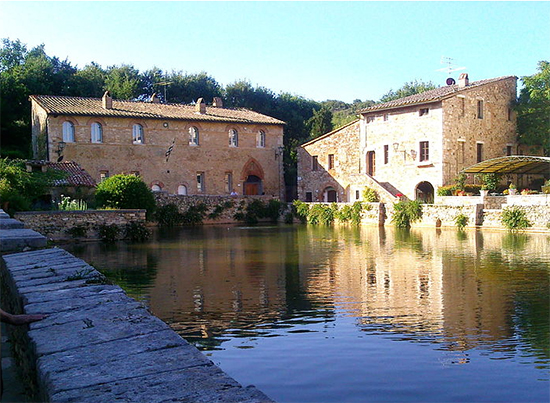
(409, 88)
(187, 88)
(89, 81)
(320, 123)
(533, 109)
(124, 82)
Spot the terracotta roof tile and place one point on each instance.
(434, 95)
(77, 176)
(62, 105)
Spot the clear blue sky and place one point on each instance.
(319, 50)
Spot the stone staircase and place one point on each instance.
(15, 237)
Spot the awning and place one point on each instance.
(513, 164)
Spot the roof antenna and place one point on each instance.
(449, 69)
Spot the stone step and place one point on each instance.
(20, 239)
(10, 223)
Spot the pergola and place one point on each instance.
(513, 164)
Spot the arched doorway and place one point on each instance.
(425, 192)
(330, 195)
(253, 185)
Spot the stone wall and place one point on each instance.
(538, 216)
(56, 224)
(444, 216)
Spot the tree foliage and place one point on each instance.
(533, 109)
(320, 123)
(409, 88)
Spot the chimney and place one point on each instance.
(463, 80)
(200, 106)
(155, 99)
(107, 101)
(218, 103)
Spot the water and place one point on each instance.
(314, 314)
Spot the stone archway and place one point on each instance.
(424, 192)
(252, 177)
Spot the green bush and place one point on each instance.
(168, 215)
(136, 232)
(514, 219)
(78, 231)
(406, 212)
(370, 195)
(446, 190)
(125, 192)
(461, 221)
(322, 214)
(194, 214)
(302, 210)
(489, 181)
(108, 233)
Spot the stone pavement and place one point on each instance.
(99, 345)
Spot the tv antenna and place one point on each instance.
(164, 84)
(451, 67)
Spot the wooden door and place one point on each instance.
(251, 189)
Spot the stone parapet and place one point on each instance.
(57, 225)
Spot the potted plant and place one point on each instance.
(512, 190)
(488, 182)
(546, 187)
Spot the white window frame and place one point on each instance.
(68, 132)
(137, 134)
(233, 138)
(260, 142)
(96, 132)
(193, 136)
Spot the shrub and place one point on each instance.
(460, 181)
(446, 190)
(125, 192)
(302, 210)
(194, 214)
(461, 221)
(78, 231)
(108, 233)
(136, 232)
(370, 195)
(321, 214)
(168, 215)
(406, 212)
(514, 219)
(272, 210)
(489, 181)
(220, 208)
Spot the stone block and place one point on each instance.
(19, 239)
(10, 223)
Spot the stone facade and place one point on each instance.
(209, 165)
(413, 145)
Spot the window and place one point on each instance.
(479, 152)
(508, 150)
(228, 182)
(97, 133)
(200, 182)
(182, 190)
(331, 161)
(423, 111)
(509, 114)
(461, 151)
(260, 141)
(370, 119)
(462, 106)
(309, 197)
(480, 109)
(193, 136)
(156, 188)
(386, 154)
(103, 175)
(233, 138)
(424, 151)
(314, 163)
(137, 134)
(68, 132)
(386, 117)
(356, 195)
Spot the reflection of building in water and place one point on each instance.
(428, 283)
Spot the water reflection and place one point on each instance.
(463, 293)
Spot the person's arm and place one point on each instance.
(19, 320)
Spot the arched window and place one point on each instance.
(156, 188)
(68, 132)
(97, 133)
(182, 190)
(260, 141)
(233, 138)
(137, 134)
(193, 136)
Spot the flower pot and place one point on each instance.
(483, 193)
(546, 189)
(513, 191)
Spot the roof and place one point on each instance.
(329, 133)
(77, 176)
(79, 106)
(434, 95)
(514, 164)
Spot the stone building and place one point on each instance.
(412, 145)
(181, 149)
